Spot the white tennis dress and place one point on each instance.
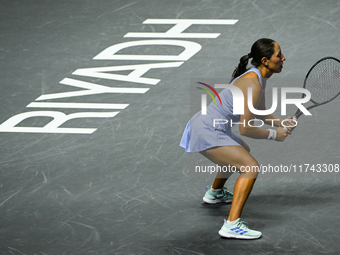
(200, 133)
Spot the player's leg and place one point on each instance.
(217, 193)
(222, 177)
(240, 158)
(228, 157)
(242, 189)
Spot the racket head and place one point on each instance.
(323, 82)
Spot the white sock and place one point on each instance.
(215, 190)
(232, 222)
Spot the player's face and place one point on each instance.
(276, 60)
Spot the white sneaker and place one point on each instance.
(238, 230)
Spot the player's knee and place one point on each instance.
(250, 169)
(249, 173)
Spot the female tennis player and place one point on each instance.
(221, 146)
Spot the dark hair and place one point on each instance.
(263, 47)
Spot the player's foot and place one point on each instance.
(238, 230)
(215, 197)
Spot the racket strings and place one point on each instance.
(336, 74)
(323, 81)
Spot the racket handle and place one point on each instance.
(294, 118)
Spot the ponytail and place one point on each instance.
(261, 48)
(242, 66)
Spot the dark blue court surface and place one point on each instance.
(92, 114)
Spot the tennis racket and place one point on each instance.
(323, 82)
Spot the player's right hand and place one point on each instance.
(281, 134)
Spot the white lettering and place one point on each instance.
(238, 98)
(134, 76)
(190, 49)
(204, 104)
(238, 123)
(91, 89)
(220, 121)
(253, 121)
(262, 112)
(59, 118)
(180, 26)
(297, 102)
(76, 105)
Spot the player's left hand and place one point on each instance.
(290, 123)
